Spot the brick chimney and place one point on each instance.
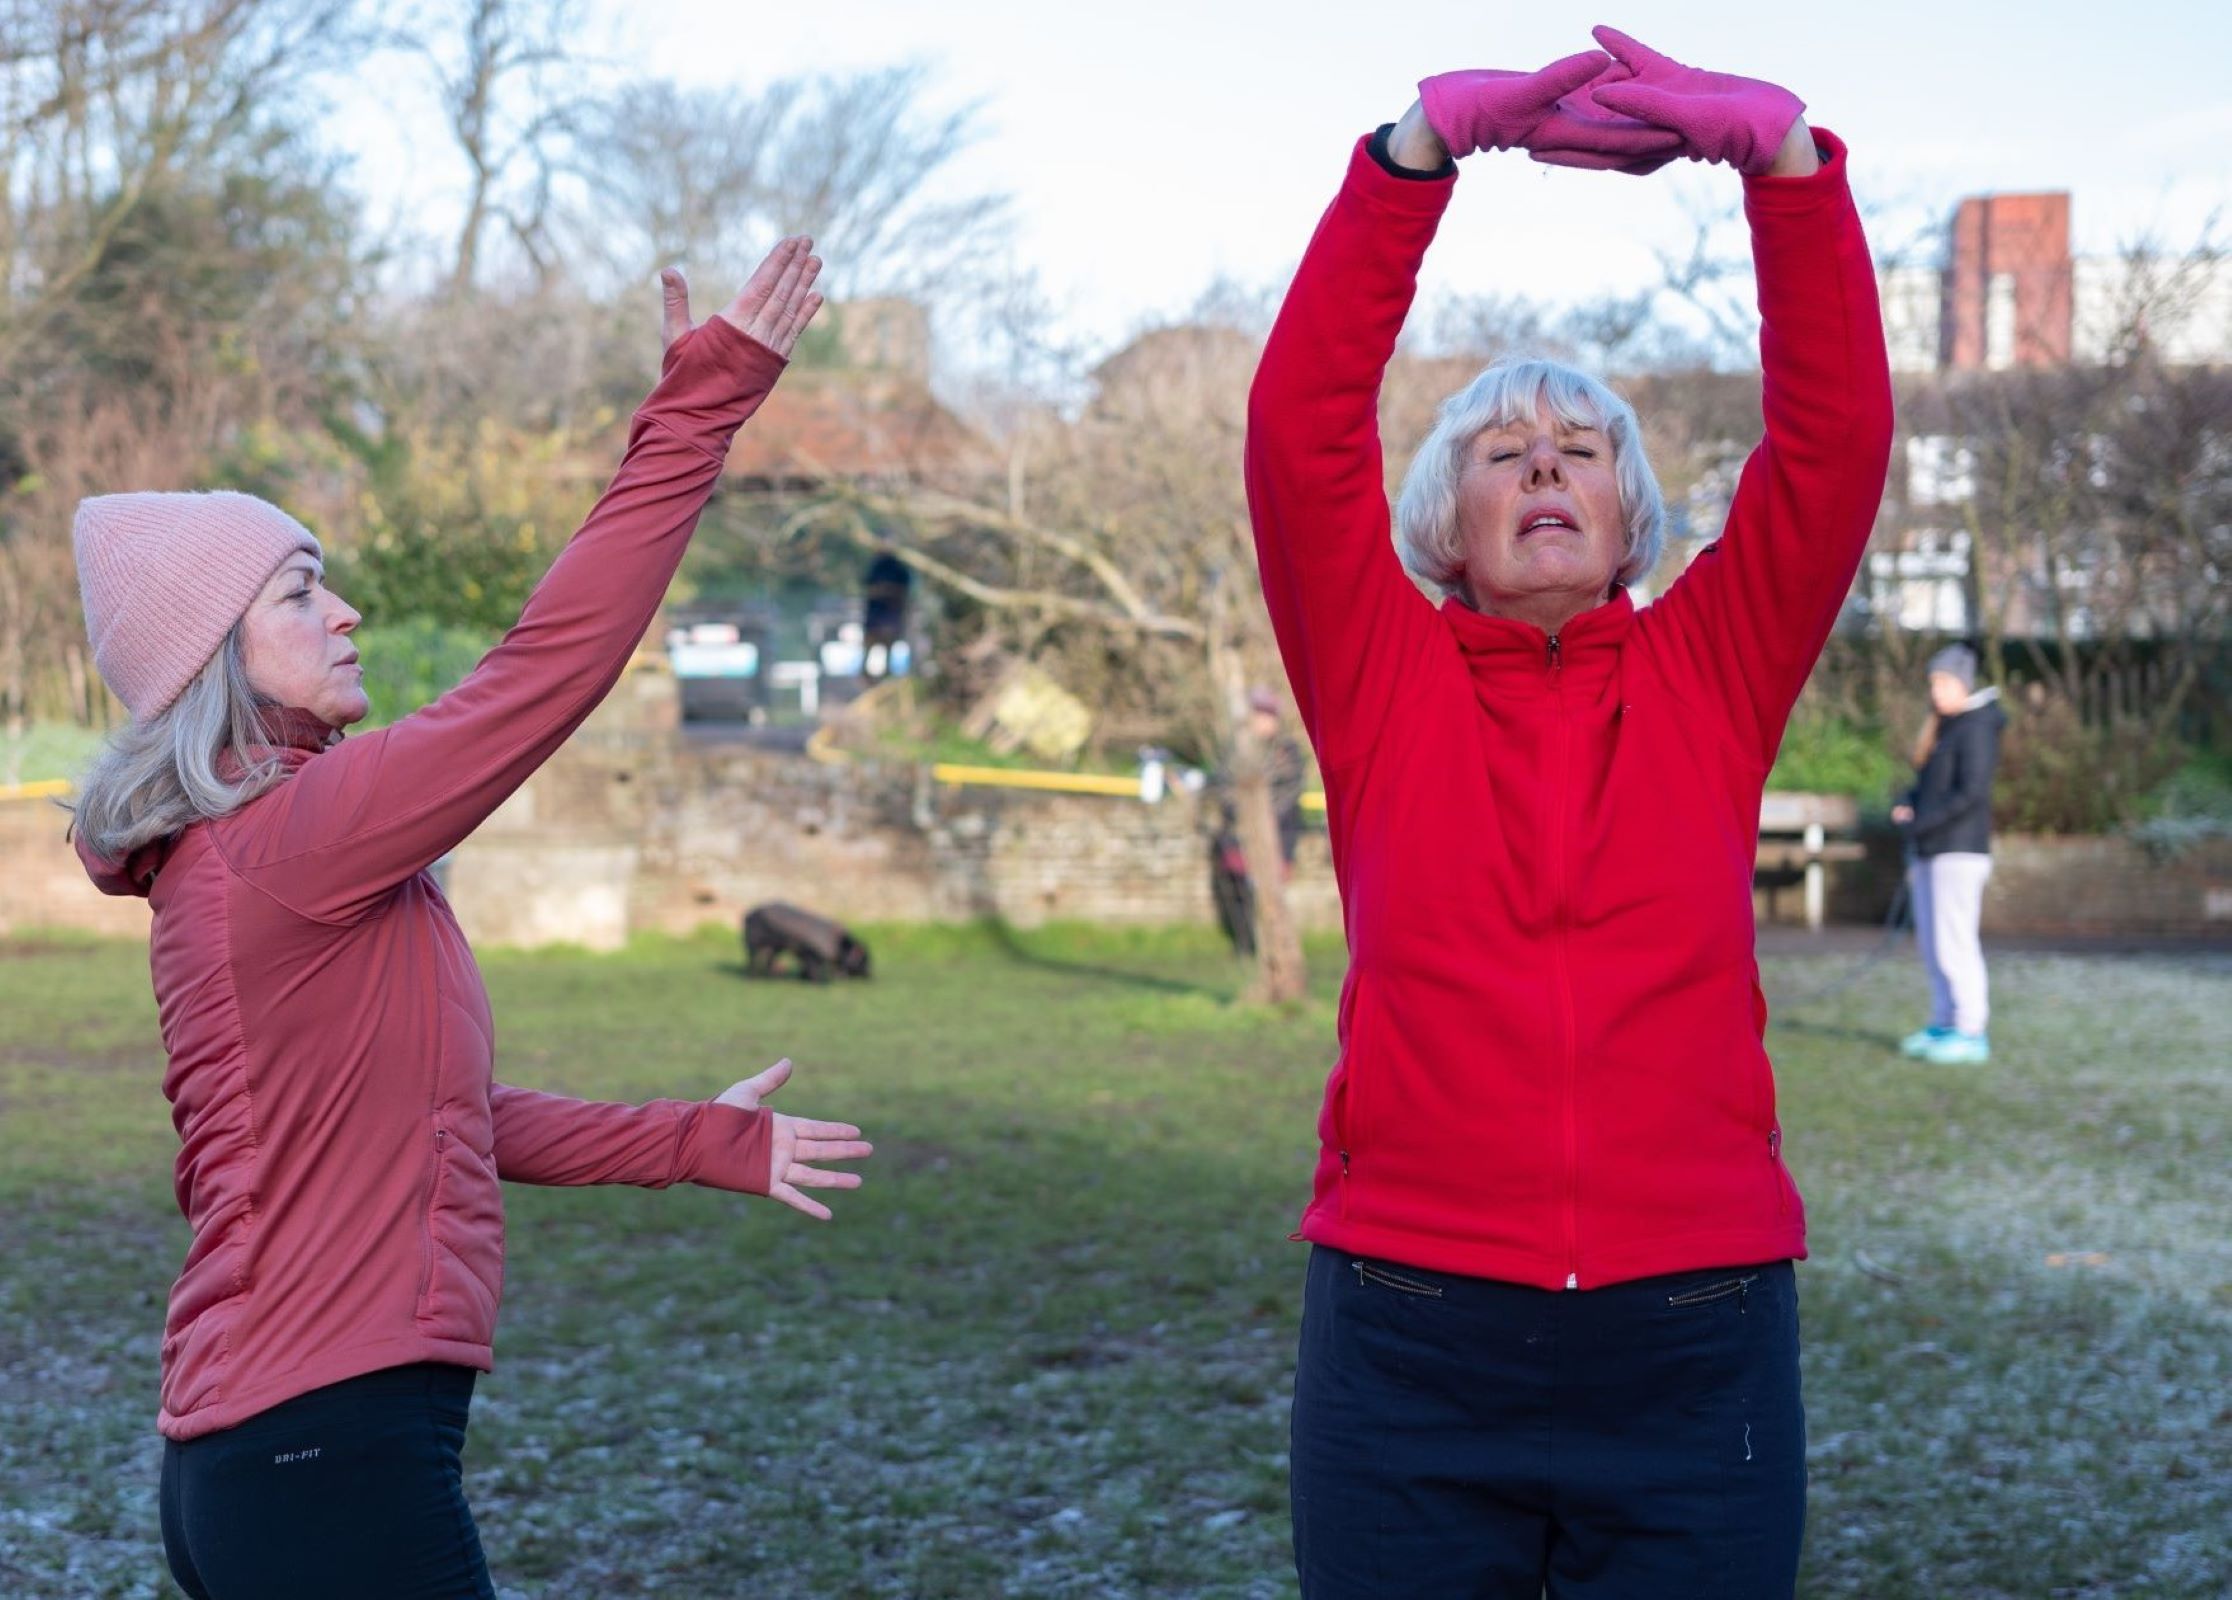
(2007, 284)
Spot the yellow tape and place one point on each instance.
(46, 789)
(1017, 778)
(823, 749)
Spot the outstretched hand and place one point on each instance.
(774, 305)
(795, 1143)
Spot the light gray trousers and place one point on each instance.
(1948, 895)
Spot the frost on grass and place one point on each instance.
(1057, 1365)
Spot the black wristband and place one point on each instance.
(1393, 168)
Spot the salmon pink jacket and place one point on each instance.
(1551, 1064)
(330, 1049)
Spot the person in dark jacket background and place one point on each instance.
(1948, 818)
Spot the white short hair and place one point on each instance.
(1426, 534)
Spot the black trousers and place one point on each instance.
(353, 1490)
(1457, 1436)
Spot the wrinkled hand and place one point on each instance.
(1492, 110)
(1718, 115)
(774, 305)
(796, 1142)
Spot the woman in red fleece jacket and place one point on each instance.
(330, 1047)
(1549, 1337)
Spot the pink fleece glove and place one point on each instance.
(1490, 110)
(1580, 134)
(1719, 116)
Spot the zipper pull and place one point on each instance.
(1556, 652)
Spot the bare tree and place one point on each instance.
(170, 264)
(1119, 542)
(106, 102)
(675, 174)
(510, 90)
(864, 163)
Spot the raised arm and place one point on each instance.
(1346, 617)
(1754, 610)
(368, 813)
(1750, 615)
(1349, 622)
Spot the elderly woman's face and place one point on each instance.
(1538, 515)
(295, 644)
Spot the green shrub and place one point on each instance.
(1828, 755)
(2058, 775)
(2191, 806)
(414, 661)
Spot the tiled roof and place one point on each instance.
(863, 426)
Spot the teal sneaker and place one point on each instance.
(1959, 1050)
(1921, 1041)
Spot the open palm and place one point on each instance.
(774, 306)
(796, 1143)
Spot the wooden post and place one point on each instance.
(1815, 838)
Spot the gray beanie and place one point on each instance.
(1959, 660)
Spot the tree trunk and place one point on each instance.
(1280, 975)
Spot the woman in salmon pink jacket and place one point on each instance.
(342, 1136)
(1549, 1335)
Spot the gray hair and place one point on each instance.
(1426, 533)
(158, 777)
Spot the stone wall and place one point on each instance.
(2108, 886)
(41, 883)
(636, 826)
(682, 834)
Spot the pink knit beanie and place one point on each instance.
(165, 576)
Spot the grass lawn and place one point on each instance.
(1046, 1352)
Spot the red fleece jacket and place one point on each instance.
(1551, 1067)
(331, 1050)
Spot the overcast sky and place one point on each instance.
(1155, 145)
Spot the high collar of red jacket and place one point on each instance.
(292, 728)
(293, 734)
(1507, 656)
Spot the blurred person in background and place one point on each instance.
(1286, 768)
(1947, 816)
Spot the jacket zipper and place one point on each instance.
(426, 1220)
(1555, 652)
